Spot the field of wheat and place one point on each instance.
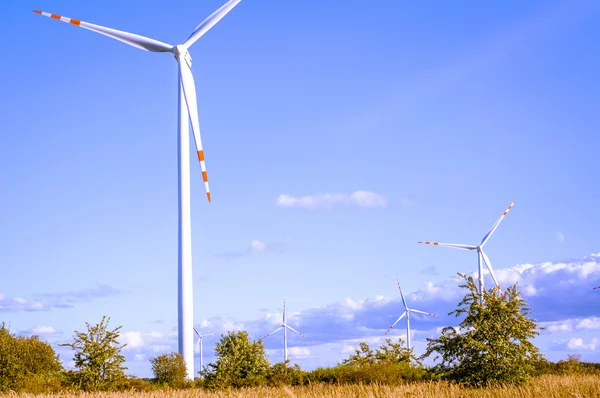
(540, 387)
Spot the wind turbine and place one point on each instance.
(406, 313)
(480, 253)
(284, 326)
(199, 343)
(188, 111)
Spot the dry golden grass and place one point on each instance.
(540, 387)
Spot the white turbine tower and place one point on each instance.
(284, 326)
(199, 343)
(406, 313)
(480, 253)
(188, 111)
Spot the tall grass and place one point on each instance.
(550, 386)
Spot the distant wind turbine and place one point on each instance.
(406, 313)
(199, 343)
(284, 326)
(480, 253)
(188, 111)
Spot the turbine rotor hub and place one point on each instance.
(181, 52)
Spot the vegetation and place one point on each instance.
(488, 355)
(492, 344)
(97, 356)
(240, 362)
(26, 363)
(169, 369)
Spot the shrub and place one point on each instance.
(169, 369)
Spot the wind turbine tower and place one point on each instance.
(188, 111)
(284, 326)
(406, 313)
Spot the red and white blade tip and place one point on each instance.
(429, 243)
(204, 174)
(58, 17)
(510, 207)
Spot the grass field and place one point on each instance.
(540, 387)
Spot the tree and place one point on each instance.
(492, 344)
(98, 356)
(169, 369)
(27, 364)
(388, 353)
(240, 362)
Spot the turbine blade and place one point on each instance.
(195, 330)
(276, 330)
(210, 22)
(397, 320)
(294, 330)
(423, 312)
(189, 90)
(597, 287)
(487, 262)
(402, 295)
(452, 245)
(491, 231)
(141, 42)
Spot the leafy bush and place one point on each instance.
(240, 362)
(281, 374)
(169, 369)
(492, 345)
(378, 373)
(97, 356)
(27, 364)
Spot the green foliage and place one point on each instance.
(97, 356)
(570, 366)
(240, 362)
(282, 374)
(169, 369)
(133, 384)
(388, 353)
(27, 364)
(369, 373)
(492, 345)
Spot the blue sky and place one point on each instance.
(440, 114)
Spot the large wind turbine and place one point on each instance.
(406, 313)
(199, 343)
(284, 326)
(480, 253)
(188, 111)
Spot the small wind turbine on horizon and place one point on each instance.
(188, 111)
(199, 343)
(480, 253)
(406, 313)
(284, 326)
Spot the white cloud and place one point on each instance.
(133, 340)
(258, 246)
(41, 330)
(591, 323)
(560, 237)
(298, 352)
(358, 198)
(577, 343)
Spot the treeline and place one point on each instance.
(491, 346)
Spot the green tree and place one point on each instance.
(27, 364)
(240, 362)
(387, 353)
(97, 356)
(169, 369)
(492, 344)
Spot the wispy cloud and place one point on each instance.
(327, 200)
(66, 299)
(430, 271)
(255, 247)
(11, 304)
